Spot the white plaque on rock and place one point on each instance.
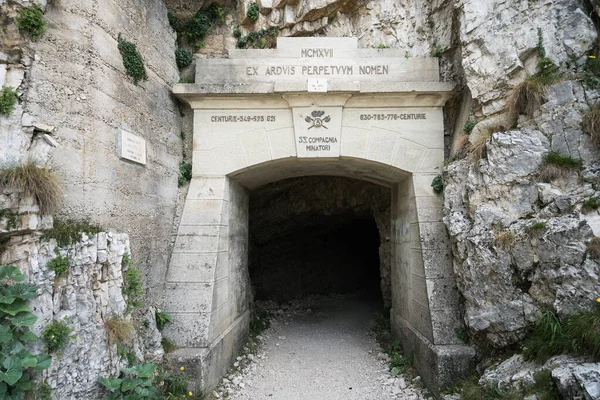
(133, 148)
(317, 131)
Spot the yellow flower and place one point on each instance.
(190, 393)
(592, 56)
(182, 368)
(598, 299)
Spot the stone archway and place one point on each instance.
(266, 115)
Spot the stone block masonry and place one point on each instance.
(252, 127)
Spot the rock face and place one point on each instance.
(520, 243)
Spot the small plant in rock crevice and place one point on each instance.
(10, 217)
(438, 184)
(59, 264)
(56, 335)
(185, 173)
(18, 363)
(438, 51)
(31, 19)
(132, 60)
(253, 12)
(133, 289)
(127, 353)
(183, 58)
(537, 226)
(8, 100)
(39, 182)
(167, 345)
(556, 166)
(162, 319)
(504, 238)
(68, 232)
(469, 125)
(590, 204)
(262, 39)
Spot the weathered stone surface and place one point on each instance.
(504, 271)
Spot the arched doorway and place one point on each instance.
(386, 129)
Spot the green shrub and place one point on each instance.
(162, 319)
(56, 335)
(237, 33)
(186, 79)
(183, 58)
(262, 39)
(127, 354)
(173, 21)
(8, 100)
(31, 19)
(591, 204)
(39, 182)
(196, 28)
(68, 232)
(60, 265)
(253, 12)
(216, 13)
(185, 173)
(132, 60)
(15, 319)
(133, 289)
(136, 383)
(167, 345)
(438, 184)
(537, 226)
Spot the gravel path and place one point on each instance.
(319, 349)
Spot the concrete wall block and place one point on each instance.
(437, 263)
(429, 208)
(354, 142)
(192, 239)
(408, 155)
(230, 157)
(220, 320)
(255, 147)
(433, 161)
(418, 290)
(446, 324)
(208, 188)
(420, 319)
(204, 212)
(422, 184)
(220, 293)
(442, 294)
(205, 163)
(282, 143)
(193, 267)
(382, 145)
(433, 235)
(189, 297)
(188, 329)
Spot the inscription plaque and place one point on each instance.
(133, 148)
(317, 131)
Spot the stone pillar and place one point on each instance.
(206, 289)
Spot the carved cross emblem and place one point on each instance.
(317, 120)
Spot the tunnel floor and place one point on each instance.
(323, 349)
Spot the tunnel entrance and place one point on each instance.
(320, 235)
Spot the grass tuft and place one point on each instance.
(31, 180)
(578, 334)
(118, 330)
(505, 238)
(558, 166)
(591, 123)
(525, 98)
(167, 345)
(593, 248)
(477, 148)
